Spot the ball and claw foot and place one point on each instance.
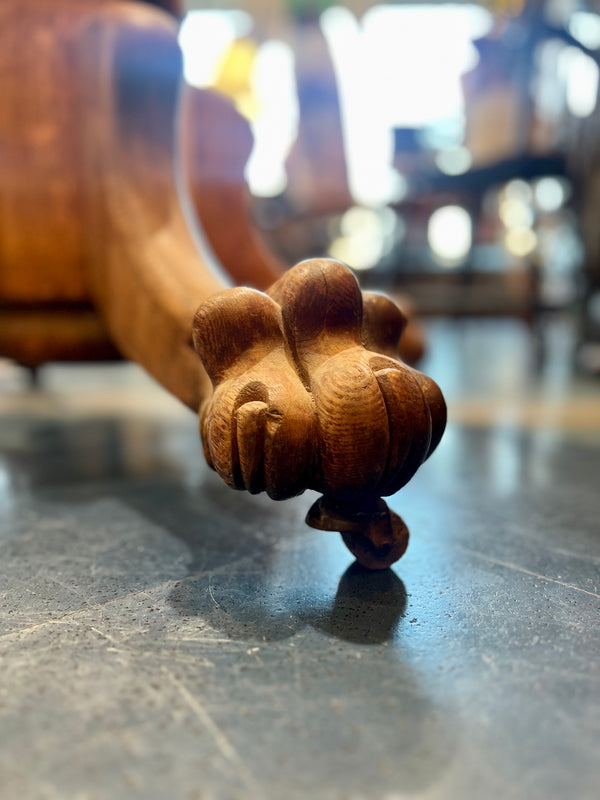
(308, 394)
(376, 536)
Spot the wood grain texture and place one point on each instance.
(144, 269)
(42, 192)
(91, 212)
(71, 333)
(301, 401)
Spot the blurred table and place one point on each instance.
(164, 636)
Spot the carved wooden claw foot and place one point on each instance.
(306, 395)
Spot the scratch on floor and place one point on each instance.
(571, 554)
(92, 607)
(205, 638)
(222, 742)
(516, 568)
(210, 591)
(106, 636)
(65, 617)
(67, 588)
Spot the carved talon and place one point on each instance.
(376, 536)
(302, 401)
(258, 428)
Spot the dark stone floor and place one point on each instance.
(162, 636)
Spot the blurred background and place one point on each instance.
(447, 152)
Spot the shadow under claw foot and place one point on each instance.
(367, 607)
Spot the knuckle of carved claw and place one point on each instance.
(382, 324)
(259, 431)
(308, 394)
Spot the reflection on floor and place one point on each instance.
(498, 372)
(163, 636)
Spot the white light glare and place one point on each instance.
(454, 160)
(365, 234)
(400, 66)
(550, 194)
(417, 54)
(581, 76)
(585, 27)
(515, 213)
(518, 190)
(204, 38)
(520, 241)
(276, 125)
(450, 235)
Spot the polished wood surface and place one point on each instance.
(300, 402)
(91, 213)
(41, 193)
